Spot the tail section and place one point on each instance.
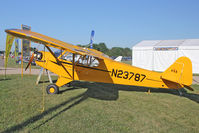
(180, 72)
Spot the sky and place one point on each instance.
(117, 23)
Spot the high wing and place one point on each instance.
(51, 42)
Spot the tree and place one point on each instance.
(127, 52)
(115, 51)
(103, 48)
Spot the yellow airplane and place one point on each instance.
(77, 63)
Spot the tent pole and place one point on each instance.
(73, 65)
(22, 55)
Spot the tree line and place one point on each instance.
(113, 52)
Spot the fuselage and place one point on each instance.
(108, 71)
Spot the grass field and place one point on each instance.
(95, 107)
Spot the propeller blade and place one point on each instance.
(31, 59)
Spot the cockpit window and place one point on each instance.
(88, 61)
(58, 53)
(81, 60)
(67, 56)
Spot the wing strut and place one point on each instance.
(58, 60)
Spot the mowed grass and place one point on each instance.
(94, 107)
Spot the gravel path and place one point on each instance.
(18, 71)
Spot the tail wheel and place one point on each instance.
(52, 89)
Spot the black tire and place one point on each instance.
(52, 89)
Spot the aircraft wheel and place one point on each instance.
(52, 89)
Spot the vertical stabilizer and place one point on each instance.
(179, 72)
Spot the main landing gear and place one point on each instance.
(52, 89)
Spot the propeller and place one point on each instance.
(31, 59)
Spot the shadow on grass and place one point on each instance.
(192, 96)
(78, 99)
(94, 90)
(67, 89)
(47, 81)
(102, 91)
(5, 79)
(106, 91)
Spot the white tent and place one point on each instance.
(158, 55)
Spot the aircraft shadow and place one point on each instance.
(100, 91)
(105, 91)
(47, 81)
(192, 96)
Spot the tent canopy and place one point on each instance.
(158, 55)
(148, 44)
